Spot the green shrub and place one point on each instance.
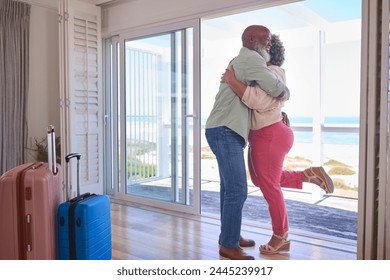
(141, 170)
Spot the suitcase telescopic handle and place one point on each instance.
(51, 149)
(67, 159)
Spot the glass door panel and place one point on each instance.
(158, 117)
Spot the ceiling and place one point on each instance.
(97, 2)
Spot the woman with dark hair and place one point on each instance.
(270, 139)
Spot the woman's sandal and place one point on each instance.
(284, 246)
(315, 174)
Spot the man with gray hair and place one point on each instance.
(227, 130)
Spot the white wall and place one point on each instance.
(43, 100)
(43, 106)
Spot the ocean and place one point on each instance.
(139, 126)
(345, 138)
(339, 145)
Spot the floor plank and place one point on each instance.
(143, 233)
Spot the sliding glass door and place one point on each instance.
(157, 120)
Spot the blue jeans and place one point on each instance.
(228, 148)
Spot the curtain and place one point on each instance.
(14, 65)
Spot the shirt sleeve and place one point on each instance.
(255, 69)
(257, 99)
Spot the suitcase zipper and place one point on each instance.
(22, 231)
(72, 223)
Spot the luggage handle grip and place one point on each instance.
(80, 197)
(72, 155)
(67, 159)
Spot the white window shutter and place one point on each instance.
(81, 95)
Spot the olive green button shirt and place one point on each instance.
(228, 109)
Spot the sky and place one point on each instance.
(301, 26)
(335, 10)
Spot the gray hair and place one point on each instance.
(276, 51)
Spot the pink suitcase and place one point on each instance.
(29, 197)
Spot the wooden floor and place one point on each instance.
(140, 233)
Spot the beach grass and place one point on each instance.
(342, 174)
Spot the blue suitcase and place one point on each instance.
(84, 224)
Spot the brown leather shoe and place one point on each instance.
(234, 253)
(318, 176)
(246, 242)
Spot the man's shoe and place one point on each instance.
(246, 242)
(234, 253)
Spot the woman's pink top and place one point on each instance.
(266, 110)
